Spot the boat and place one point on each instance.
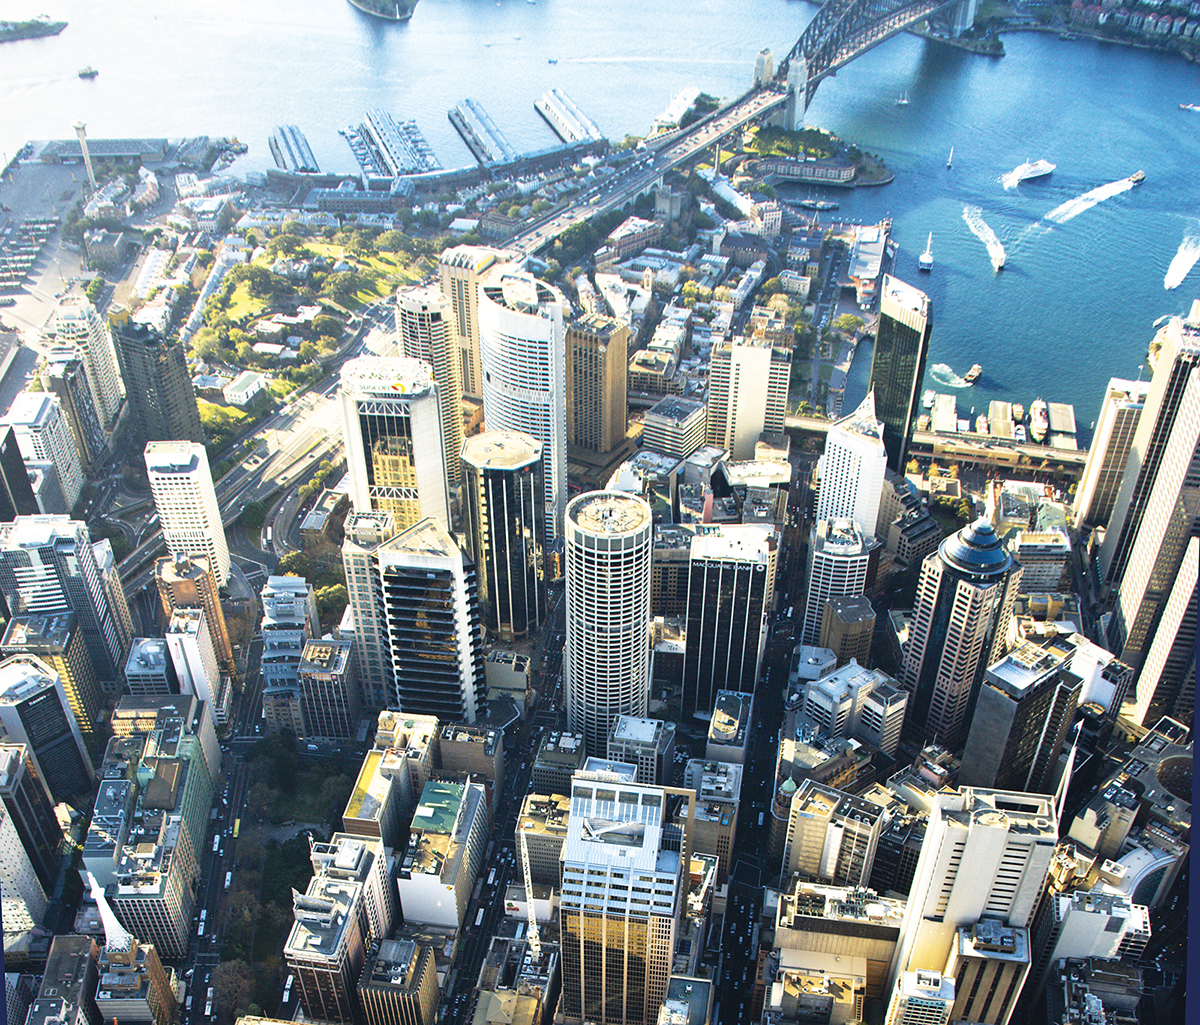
(902, 100)
(88, 72)
(981, 424)
(950, 159)
(1032, 169)
(1018, 413)
(925, 260)
(928, 399)
(972, 375)
(388, 10)
(1039, 419)
(818, 204)
(552, 60)
(1190, 106)
(1019, 434)
(1137, 177)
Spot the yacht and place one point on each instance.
(1033, 169)
(950, 159)
(925, 260)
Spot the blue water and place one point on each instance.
(1074, 307)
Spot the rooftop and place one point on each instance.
(501, 450)
(172, 456)
(325, 657)
(386, 376)
(51, 631)
(676, 409)
(609, 512)
(438, 809)
(639, 731)
(428, 537)
(731, 717)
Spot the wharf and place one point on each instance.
(485, 141)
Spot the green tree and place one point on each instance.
(332, 602)
(253, 515)
(308, 352)
(323, 324)
(849, 323)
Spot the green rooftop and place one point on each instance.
(438, 807)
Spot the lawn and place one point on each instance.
(386, 271)
(243, 305)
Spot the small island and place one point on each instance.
(32, 29)
(388, 10)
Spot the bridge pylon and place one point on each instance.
(797, 94)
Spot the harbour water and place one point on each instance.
(1080, 291)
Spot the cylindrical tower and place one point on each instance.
(605, 666)
(504, 518)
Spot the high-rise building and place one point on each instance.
(22, 896)
(747, 393)
(194, 656)
(1087, 923)
(460, 270)
(289, 619)
(329, 701)
(189, 583)
(395, 459)
(597, 350)
(731, 588)
(960, 626)
(847, 628)
(839, 558)
(158, 384)
(607, 654)
(523, 366)
(365, 533)
(48, 564)
(1026, 705)
(68, 989)
(399, 984)
(831, 836)
(989, 963)
(150, 671)
(675, 426)
(28, 807)
(114, 591)
(133, 984)
(77, 323)
(1167, 685)
(65, 377)
(852, 468)
(326, 948)
(1120, 411)
(34, 711)
(57, 641)
(901, 347)
(921, 998)
(44, 434)
(16, 496)
(504, 521)
(647, 743)
(426, 326)
(622, 885)
(182, 486)
(1044, 556)
(864, 704)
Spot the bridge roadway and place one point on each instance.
(617, 189)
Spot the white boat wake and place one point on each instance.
(1184, 260)
(1080, 204)
(1013, 178)
(974, 218)
(945, 375)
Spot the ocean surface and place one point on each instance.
(1088, 259)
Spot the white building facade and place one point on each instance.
(182, 485)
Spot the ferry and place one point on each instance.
(1018, 413)
(88, 72)
(1033, 169)
(928, 399)
(1039, 421)
(925, 260)
(972, 375)
(818, 204)
(1137, 177)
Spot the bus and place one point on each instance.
(270, 534)
(479, 918)
(491, 877)
(216, 842)
(208, 1005)
(287, 988)
(203, 914)
(200, 931)
(760, 818)
(228, 879)
(237, 824)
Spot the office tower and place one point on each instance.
(959, 627)
(399, 983)
(190, 645)
(559, 756)
(606, 659)
(670, 569)
(731, 588)
(718, 786)
(921, 998)
(1087, 923)
(114, 592)
(989, 963)
(1112, 438)
(56, 640)
(864, 704)
(647, 743)
(831, 836)
(134, 987)
(16, 496)
(77, 323)
(1167, 685)
(847, 628)
(395, 459)
(65, 377)
(325, 949)
(522, 361)
(474, 751)
(729, 731)
(621, 889)
(369, 863)
(675, 426)
(460, 271)
(150, 670)
(28, 807)
(542, 830)
(986, 855)
(34, 711)
(329, 700)
(898, 365)
(22, 897)
(597, 350)
(839, 558)
(1044, 556)
(365, 532)
(1026, 705)
(425, 324)
(188, 582)
(44, 434)
(852, 468)
(518, 981)
(68, 988)
(289, 619)
(504, 521)
(158, 385)
(747, 393)
(186, 500)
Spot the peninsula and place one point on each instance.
(32, 29)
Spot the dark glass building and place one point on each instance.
(66, 376)
(16, 496)
(901, 347)
(158, 386)
(29, 807)
(504, 520)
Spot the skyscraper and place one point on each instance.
(28, 806)
(48, 565)
(1167, 684)
(65, 377)
(675, 426)
(459, 271)
(606, 659)
(960, 626)
(831, 836)
(289, 619)
(328, 685)
(23, 900)
(852, 469)
(731, 585)
(901, 347)
(365, 532)
(504, 521)
(190, 645)
(44, 434)
(1104, 470)
(597, 349)
(188, 582)
(77, 323)
(521, 356)
(425, 324)
(57, 641)
(747, 393)
(395, 459)
(838, 560)
(16, 496)
(186, 500)
(158, 385)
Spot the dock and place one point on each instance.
(1062, 426)
(1000, 419)
(385, 147)
(485, 141)
(291, 151)
(945, 414)
(563, 115)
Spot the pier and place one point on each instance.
(291, 151)
(480, 133)
(386, 148)
(563, 115)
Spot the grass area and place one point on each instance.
(243, 305)
(384, 271)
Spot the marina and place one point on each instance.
(485, 141)
(386, 148)
(291, 151)
(1051, 424)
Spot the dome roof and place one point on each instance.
(976, 549)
